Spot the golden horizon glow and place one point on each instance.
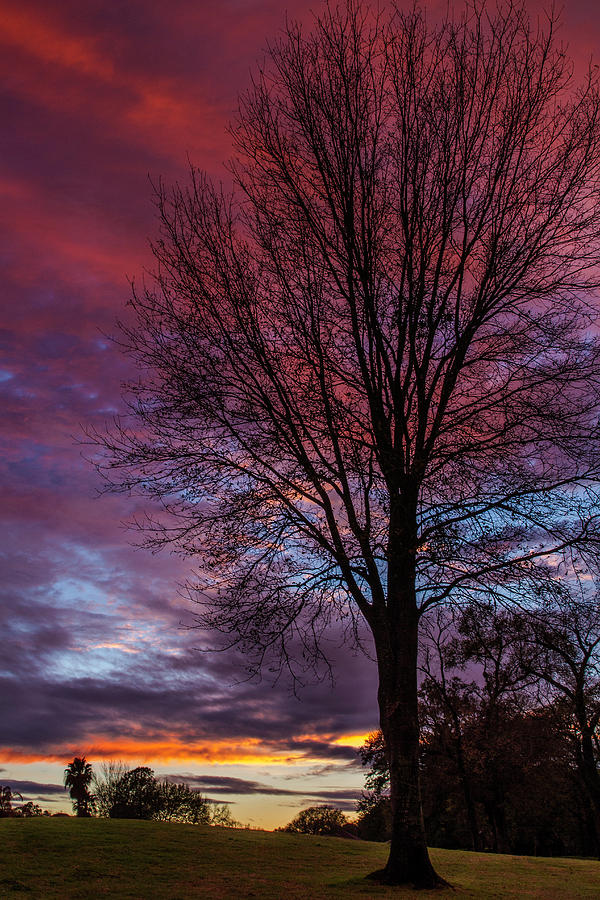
(251, 751)
(351, 740)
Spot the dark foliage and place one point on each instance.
(374, 821)
(136, 794)
(7, 798)
(78, 777)
(374, 808)
(24, 810)
(526, 794)
(31, 809)
(320, 820)
(558, 644)
(502, 759)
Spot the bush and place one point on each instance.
(320, 820)
(31, 809)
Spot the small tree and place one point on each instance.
(7, 798)
(105, 785)
(77, 779)
(178, 803)
(369, 382)
(31, 809)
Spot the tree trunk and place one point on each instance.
(408, 861)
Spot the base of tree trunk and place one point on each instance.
(428, 880)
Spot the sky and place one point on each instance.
(96, 100)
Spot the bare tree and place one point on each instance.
(368, 381)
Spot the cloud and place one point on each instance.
(105, 718)
(222, 784)
(96, 658)
(341, 798)
(26, 788)
(334, 768)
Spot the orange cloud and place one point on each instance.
(340, 740)
(351, 740)
(168, 750)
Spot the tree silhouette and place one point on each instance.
(469, 720)
(77, 778)
(559, 643)
(137, 795)
(368, 383)
(319, 820)
(106, 785)
(525, 796)
(7, 797)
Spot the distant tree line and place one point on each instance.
(509, 708)
(26, 809)
(122, 793)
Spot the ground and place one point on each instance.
(83, 858)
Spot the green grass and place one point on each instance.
(90, 858)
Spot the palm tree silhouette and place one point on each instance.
(78, 777)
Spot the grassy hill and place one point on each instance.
(90, 858)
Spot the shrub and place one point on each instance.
(319, 820)
(30, 809)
